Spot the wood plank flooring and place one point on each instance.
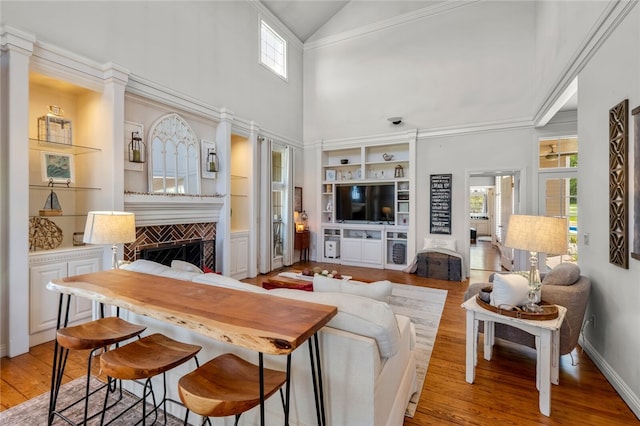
(504, 391)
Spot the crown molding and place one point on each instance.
(13, 38)
(405, 18)
(489, 126)
(611, 17)
(371, 140)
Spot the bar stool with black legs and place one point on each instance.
(95, 335)
(144, 359)
(228, 385)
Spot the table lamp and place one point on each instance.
(537, 234)
(110, 228)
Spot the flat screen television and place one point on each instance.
(365, 203)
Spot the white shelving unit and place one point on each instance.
(371, 244)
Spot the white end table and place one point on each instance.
(547, 334)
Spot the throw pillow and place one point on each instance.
(379, 290)
(562, 274)
(444, 243)
(181, 265)
(509, 290)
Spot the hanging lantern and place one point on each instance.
(212, 160)
(137, 148)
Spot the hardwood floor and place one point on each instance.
(504, 391)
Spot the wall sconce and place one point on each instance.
(53, 127)
(137, 148)
(212, 160)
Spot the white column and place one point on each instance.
(17, 48)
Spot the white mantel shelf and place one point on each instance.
(152, 210)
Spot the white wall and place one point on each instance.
(206, 50)
(474, 64)
(609, 77)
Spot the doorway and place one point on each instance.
(493, 197)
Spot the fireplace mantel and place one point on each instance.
(152, 210)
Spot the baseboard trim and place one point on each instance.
(625, 392)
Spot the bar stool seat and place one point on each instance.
(227, 385)
(98, 334)
(93, 335)
(143, 359)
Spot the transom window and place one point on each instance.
(273, 50)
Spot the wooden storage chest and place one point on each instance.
(439, 266)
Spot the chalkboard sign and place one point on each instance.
(440, 207)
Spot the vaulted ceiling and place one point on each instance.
(304, 17)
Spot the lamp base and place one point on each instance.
(532, 307)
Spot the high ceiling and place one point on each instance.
(304, 17)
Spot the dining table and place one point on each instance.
(260, 322)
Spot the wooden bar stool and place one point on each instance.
(228, 385)
(94, 336)
(144, 359)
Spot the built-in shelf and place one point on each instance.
(63, 188)
(41, 145)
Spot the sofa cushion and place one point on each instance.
(379, 290)
(356, 314)
(562, 274)
(227, 282)
(509, 290)
(149, 267)
(181, 265)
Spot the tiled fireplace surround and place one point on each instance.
(158, 236)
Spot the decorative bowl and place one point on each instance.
(344, 161)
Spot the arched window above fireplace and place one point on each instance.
(174, 163)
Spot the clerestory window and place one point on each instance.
(273, 50)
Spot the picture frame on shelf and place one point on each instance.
(207, 147)
(129, 128)
(330, 175)
(57, 167)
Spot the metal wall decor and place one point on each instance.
(618, 183)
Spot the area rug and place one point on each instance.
(424, 306)
(34, 411)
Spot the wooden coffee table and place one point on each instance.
(279, 281)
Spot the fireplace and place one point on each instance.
(193, 243)
(199, 253)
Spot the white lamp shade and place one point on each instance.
(540, 234)
(110, 228)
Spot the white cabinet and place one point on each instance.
(239, 255)
(482, 226)
(361, 246)
(43, 305)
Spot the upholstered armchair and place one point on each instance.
(563, 286)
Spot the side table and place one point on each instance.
(547, 334)
(301, 242)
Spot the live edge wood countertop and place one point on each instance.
(257, 321)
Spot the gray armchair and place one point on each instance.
(573, 296)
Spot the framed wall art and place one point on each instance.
(297, 199)
(57, 167)
(330, 175)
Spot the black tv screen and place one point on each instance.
(365, 203)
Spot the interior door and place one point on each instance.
(558, 197)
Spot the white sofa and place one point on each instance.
(367, 354)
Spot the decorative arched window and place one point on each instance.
(175, 157)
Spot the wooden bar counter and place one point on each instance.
(264, 323)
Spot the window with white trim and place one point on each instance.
(273, 50)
